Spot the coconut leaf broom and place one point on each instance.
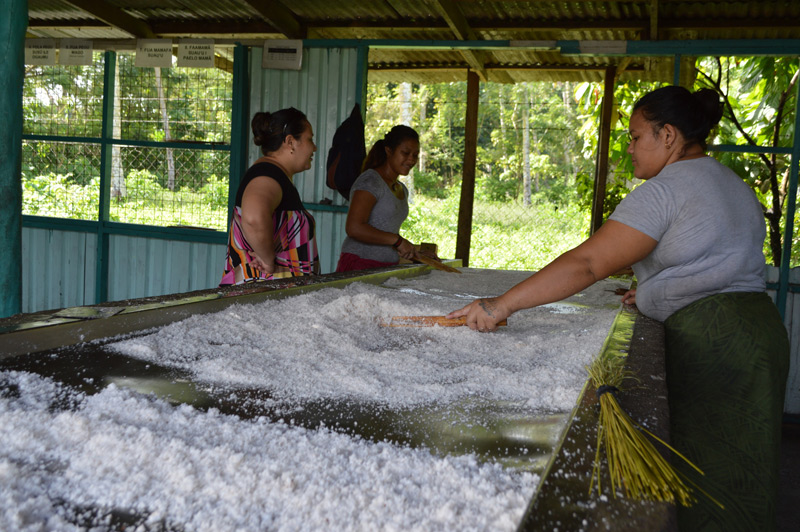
(634, 463)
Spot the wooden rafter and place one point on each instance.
(279, 17)
(654, 19)
(463, 32)
(233, 26)
(115, 17)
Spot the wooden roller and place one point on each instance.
(435, 263)
(427, 321)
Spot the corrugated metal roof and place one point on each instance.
(434, 20)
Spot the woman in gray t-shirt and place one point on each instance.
(379, 204)
(694, 234)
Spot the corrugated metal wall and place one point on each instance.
(58, 269)
(146, 267)
(326, 90)
(792, 404)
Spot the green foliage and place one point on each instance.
(545, 114)
(759, 95)
(55, 195)
(428, 183)
(144, 186)
(615, 192)
(504, 236)
(215, 192)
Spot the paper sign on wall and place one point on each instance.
(197, 53)
(40, 51)
(153, 53)
(75, 52)
(283, 53)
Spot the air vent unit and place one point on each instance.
(284, 54)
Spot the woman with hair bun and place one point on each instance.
(379, 204)
(693, 233)
(271, 234)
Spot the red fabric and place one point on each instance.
(349, 262)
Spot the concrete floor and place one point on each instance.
(789, 496)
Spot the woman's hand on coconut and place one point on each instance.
(482, 315)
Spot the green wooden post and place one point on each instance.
(240, 123)
(101, 281)
(12, 47)
(791, 203)
(361, 79)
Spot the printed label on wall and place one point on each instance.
(75, 52)
(40, 51)
(154, 53)
(196, 53)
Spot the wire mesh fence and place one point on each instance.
(172, 187)
(61, 179)
(61, 100)
(167, 160)
(529, 205)
(173, 104)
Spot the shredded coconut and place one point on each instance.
(122, 459)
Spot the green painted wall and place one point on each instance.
(12, 45)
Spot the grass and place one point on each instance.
(506, 236)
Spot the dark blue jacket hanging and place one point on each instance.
(346, 154)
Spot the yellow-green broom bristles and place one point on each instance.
(634, 464)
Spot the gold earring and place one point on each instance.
(668, 146)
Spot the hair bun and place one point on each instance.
(260, 126)
(710, 105)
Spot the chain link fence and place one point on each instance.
(530, 203)
(169, 137)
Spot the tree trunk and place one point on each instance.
(569, 140)
(118, 188)
(423, 110)
(405, 118)
(526, 152)
(502, 124)
(162, 103)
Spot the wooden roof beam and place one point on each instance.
(653, 19)
(506, 68)
(279, 17)
(458, 25)
(115, 17)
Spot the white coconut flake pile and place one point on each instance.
(329, 344)
(178, 468)
(70, 461)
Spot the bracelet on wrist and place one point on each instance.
(399, 241)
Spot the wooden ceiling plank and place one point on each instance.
(280, 17)
(654, 20)
(233, 26)
(115, 17)
(223, 63)
(458, 24)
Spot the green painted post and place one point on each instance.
(361, 78)
(240, 123)
(101, 281)
(676, 78)
(12, 50)
(791, 202)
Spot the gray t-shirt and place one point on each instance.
(388, 214)
(710, 231)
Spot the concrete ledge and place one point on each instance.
(563, 500)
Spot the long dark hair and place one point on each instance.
(396, 136)
(694, 114)
(270, 129)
